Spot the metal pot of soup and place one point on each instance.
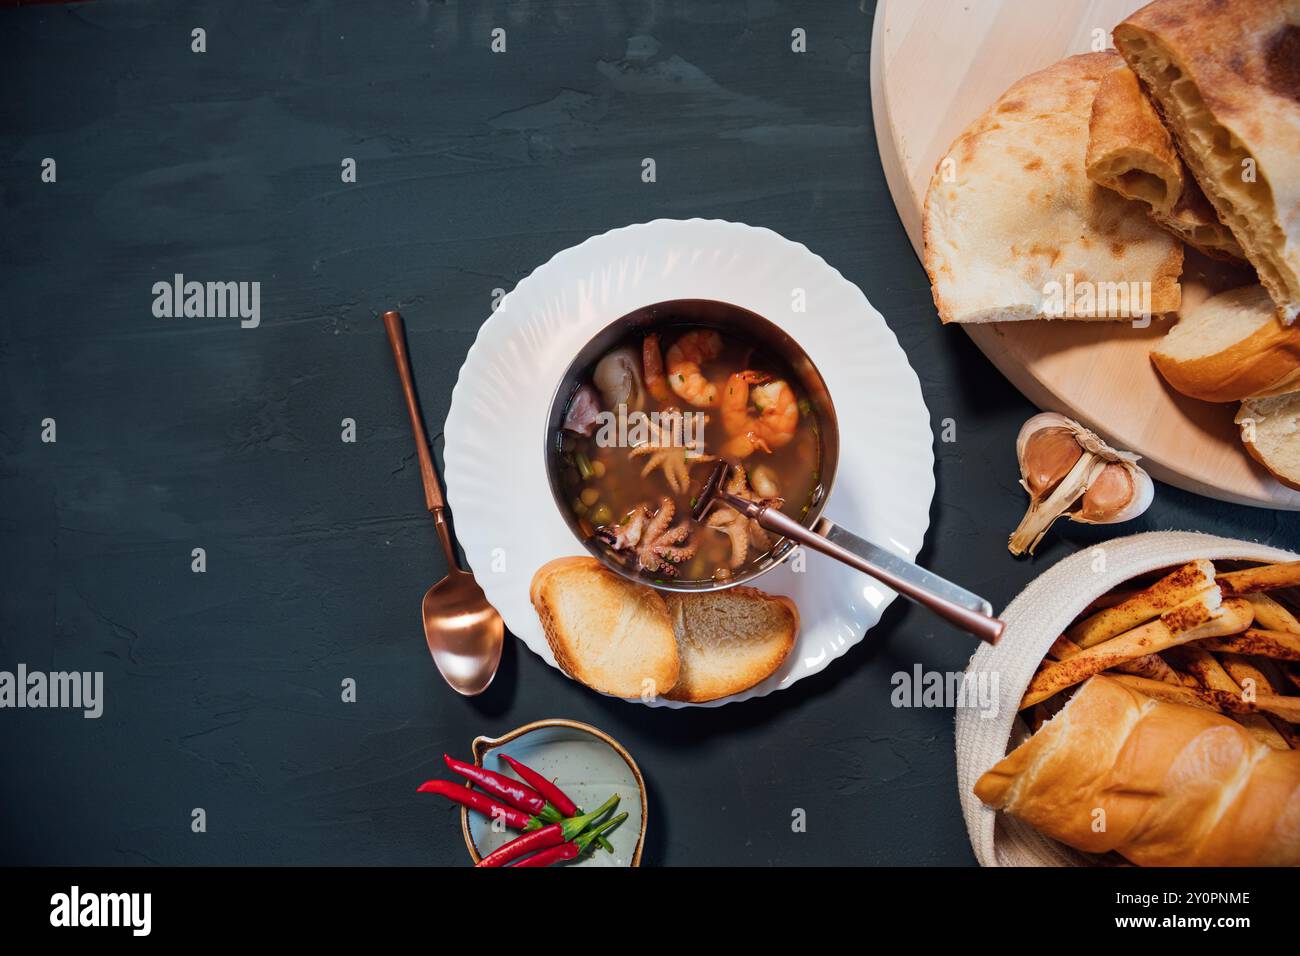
(650, 404)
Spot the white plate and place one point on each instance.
(497, 490)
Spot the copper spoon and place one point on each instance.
(954, 604)
(464, 632)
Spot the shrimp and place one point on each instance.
(684, 358)
(773, 427)
(652, 363)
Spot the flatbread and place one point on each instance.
(1225, 75)
(1015, 229)
(1131, 152)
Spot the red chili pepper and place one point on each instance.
(573, 849)
(547, 836)
(551, 855)
(511, 791)
(515, 819)
(543, 786)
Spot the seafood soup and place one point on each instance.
(640, 430)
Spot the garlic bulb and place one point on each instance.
(1069, 471)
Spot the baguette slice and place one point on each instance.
(1270, 430)
(1231, 347)
(1161, 783)
(729, 640)
(606, 632)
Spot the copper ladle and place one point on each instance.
(954, 604)
(464, 632)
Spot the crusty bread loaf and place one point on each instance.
(1011, 218)
(1270, 430)
(1231, 347)
(1130, 152)
(1224, 75)
(1162, 784)
(611, 634)
(729, 640)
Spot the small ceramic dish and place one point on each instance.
(586, 763)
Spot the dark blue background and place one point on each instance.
(223, 688)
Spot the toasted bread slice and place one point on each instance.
(1270, 430)
(729, 640)
(1231, 347)
(605, 631)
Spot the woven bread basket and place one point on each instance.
(1038, 615)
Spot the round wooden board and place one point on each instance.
(935, 66)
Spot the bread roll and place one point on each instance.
(1224, 74)
(1160, 783)
(1231, 347)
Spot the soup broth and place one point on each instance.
(642, 429)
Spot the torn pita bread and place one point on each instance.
(1015, 229)
(1225, 75)
(1131, 152)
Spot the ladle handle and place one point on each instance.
(397, 340)
(955, 604)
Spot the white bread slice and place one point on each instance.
(607, 632)
(1231, 347)
(1270, 430)
(729, 640)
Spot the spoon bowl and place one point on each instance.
(465, 634)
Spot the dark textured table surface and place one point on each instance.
(222, 689)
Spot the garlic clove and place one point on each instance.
(1070, 472)
(1110, 491)
(1050, 453)
(1112, 499)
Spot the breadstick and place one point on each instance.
(1267, 577)
(1170, 693)
(1149, 665)
(1288, 708)
(1248, 676)
(1215, 678)
(1170, 591)
(1279, 645)
(1241, 670)
(1271, 615)
(1198, 618)
(1062, 648)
